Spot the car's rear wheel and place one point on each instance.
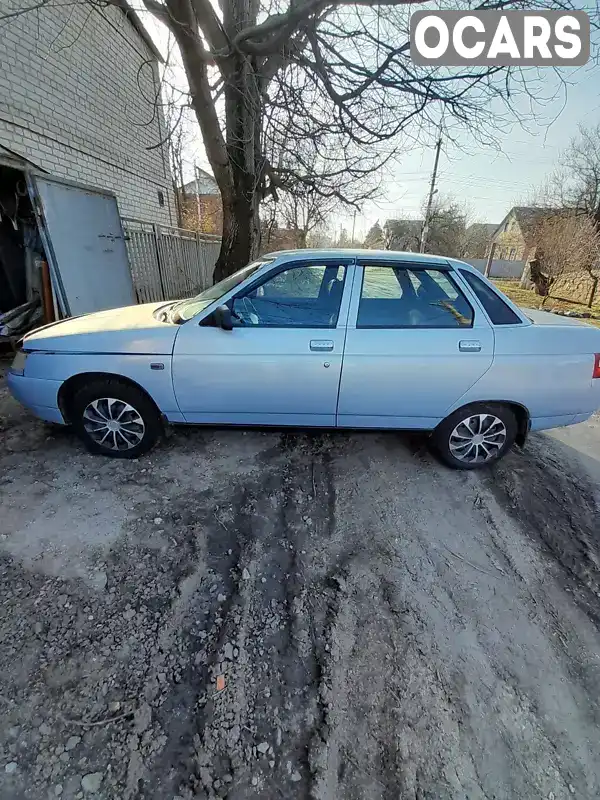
(475, 436)
(115, 419)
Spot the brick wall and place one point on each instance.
(77, 89)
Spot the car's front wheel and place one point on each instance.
(475, 436)
(115, 419)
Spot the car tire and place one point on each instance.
(475, 436)
(115, 419)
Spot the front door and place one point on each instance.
(281, 363)
(414, 346)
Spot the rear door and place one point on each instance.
(83, 237)
(414, 346)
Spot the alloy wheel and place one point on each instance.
(478, 438)
(113, 424)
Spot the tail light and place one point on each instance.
(596, 372)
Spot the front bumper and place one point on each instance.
(38, 395)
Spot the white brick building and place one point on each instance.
(78, 85)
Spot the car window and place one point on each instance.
(499, 312)
(428, 298)
(186, 309)
(303, 296)
(382, 282)
(442, 280)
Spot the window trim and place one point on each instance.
(284, 267)
(517, 312)
(407, 265)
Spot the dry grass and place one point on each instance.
(529, 299)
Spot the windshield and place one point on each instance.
(189, 308)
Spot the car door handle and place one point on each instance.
(469, 346)
(321, 345)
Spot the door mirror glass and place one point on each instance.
(222, 318)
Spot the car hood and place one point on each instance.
(132, 329)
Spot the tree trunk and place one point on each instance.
(301, 238)
(243, 127)
(240, 239)
(241, 197)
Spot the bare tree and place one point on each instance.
(304, 210)
(402, 234)
(266, 75)
(321, 237)
(565, 242)
(477, 240)
(447, 227)
(177, 140)
(302, 203)
(374, 239)
(576, 184)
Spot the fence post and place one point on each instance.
(156, 230)
(490, 261)
(593, 291)
(198, 262)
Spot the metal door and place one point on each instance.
(261, 375)
(396, 376)
(83, 236)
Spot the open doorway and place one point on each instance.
(25, 295)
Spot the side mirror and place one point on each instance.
(222, 318)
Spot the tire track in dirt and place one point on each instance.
(387, 629)
(265, 622)
(555, 504)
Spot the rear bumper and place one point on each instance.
(38, 395)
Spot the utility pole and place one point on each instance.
(353, 226)
(432, 191)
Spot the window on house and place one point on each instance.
(512, 255)
(161, 198)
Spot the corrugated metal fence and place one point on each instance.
(169, 263)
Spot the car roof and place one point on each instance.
(334, 252)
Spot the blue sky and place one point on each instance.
(491, 180)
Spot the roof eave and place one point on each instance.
(137, 23)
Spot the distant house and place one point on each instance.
(202, 209)
(478, 239)
(515, 236)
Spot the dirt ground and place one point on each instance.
(332, 616)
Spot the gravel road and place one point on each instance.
(332, 616)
